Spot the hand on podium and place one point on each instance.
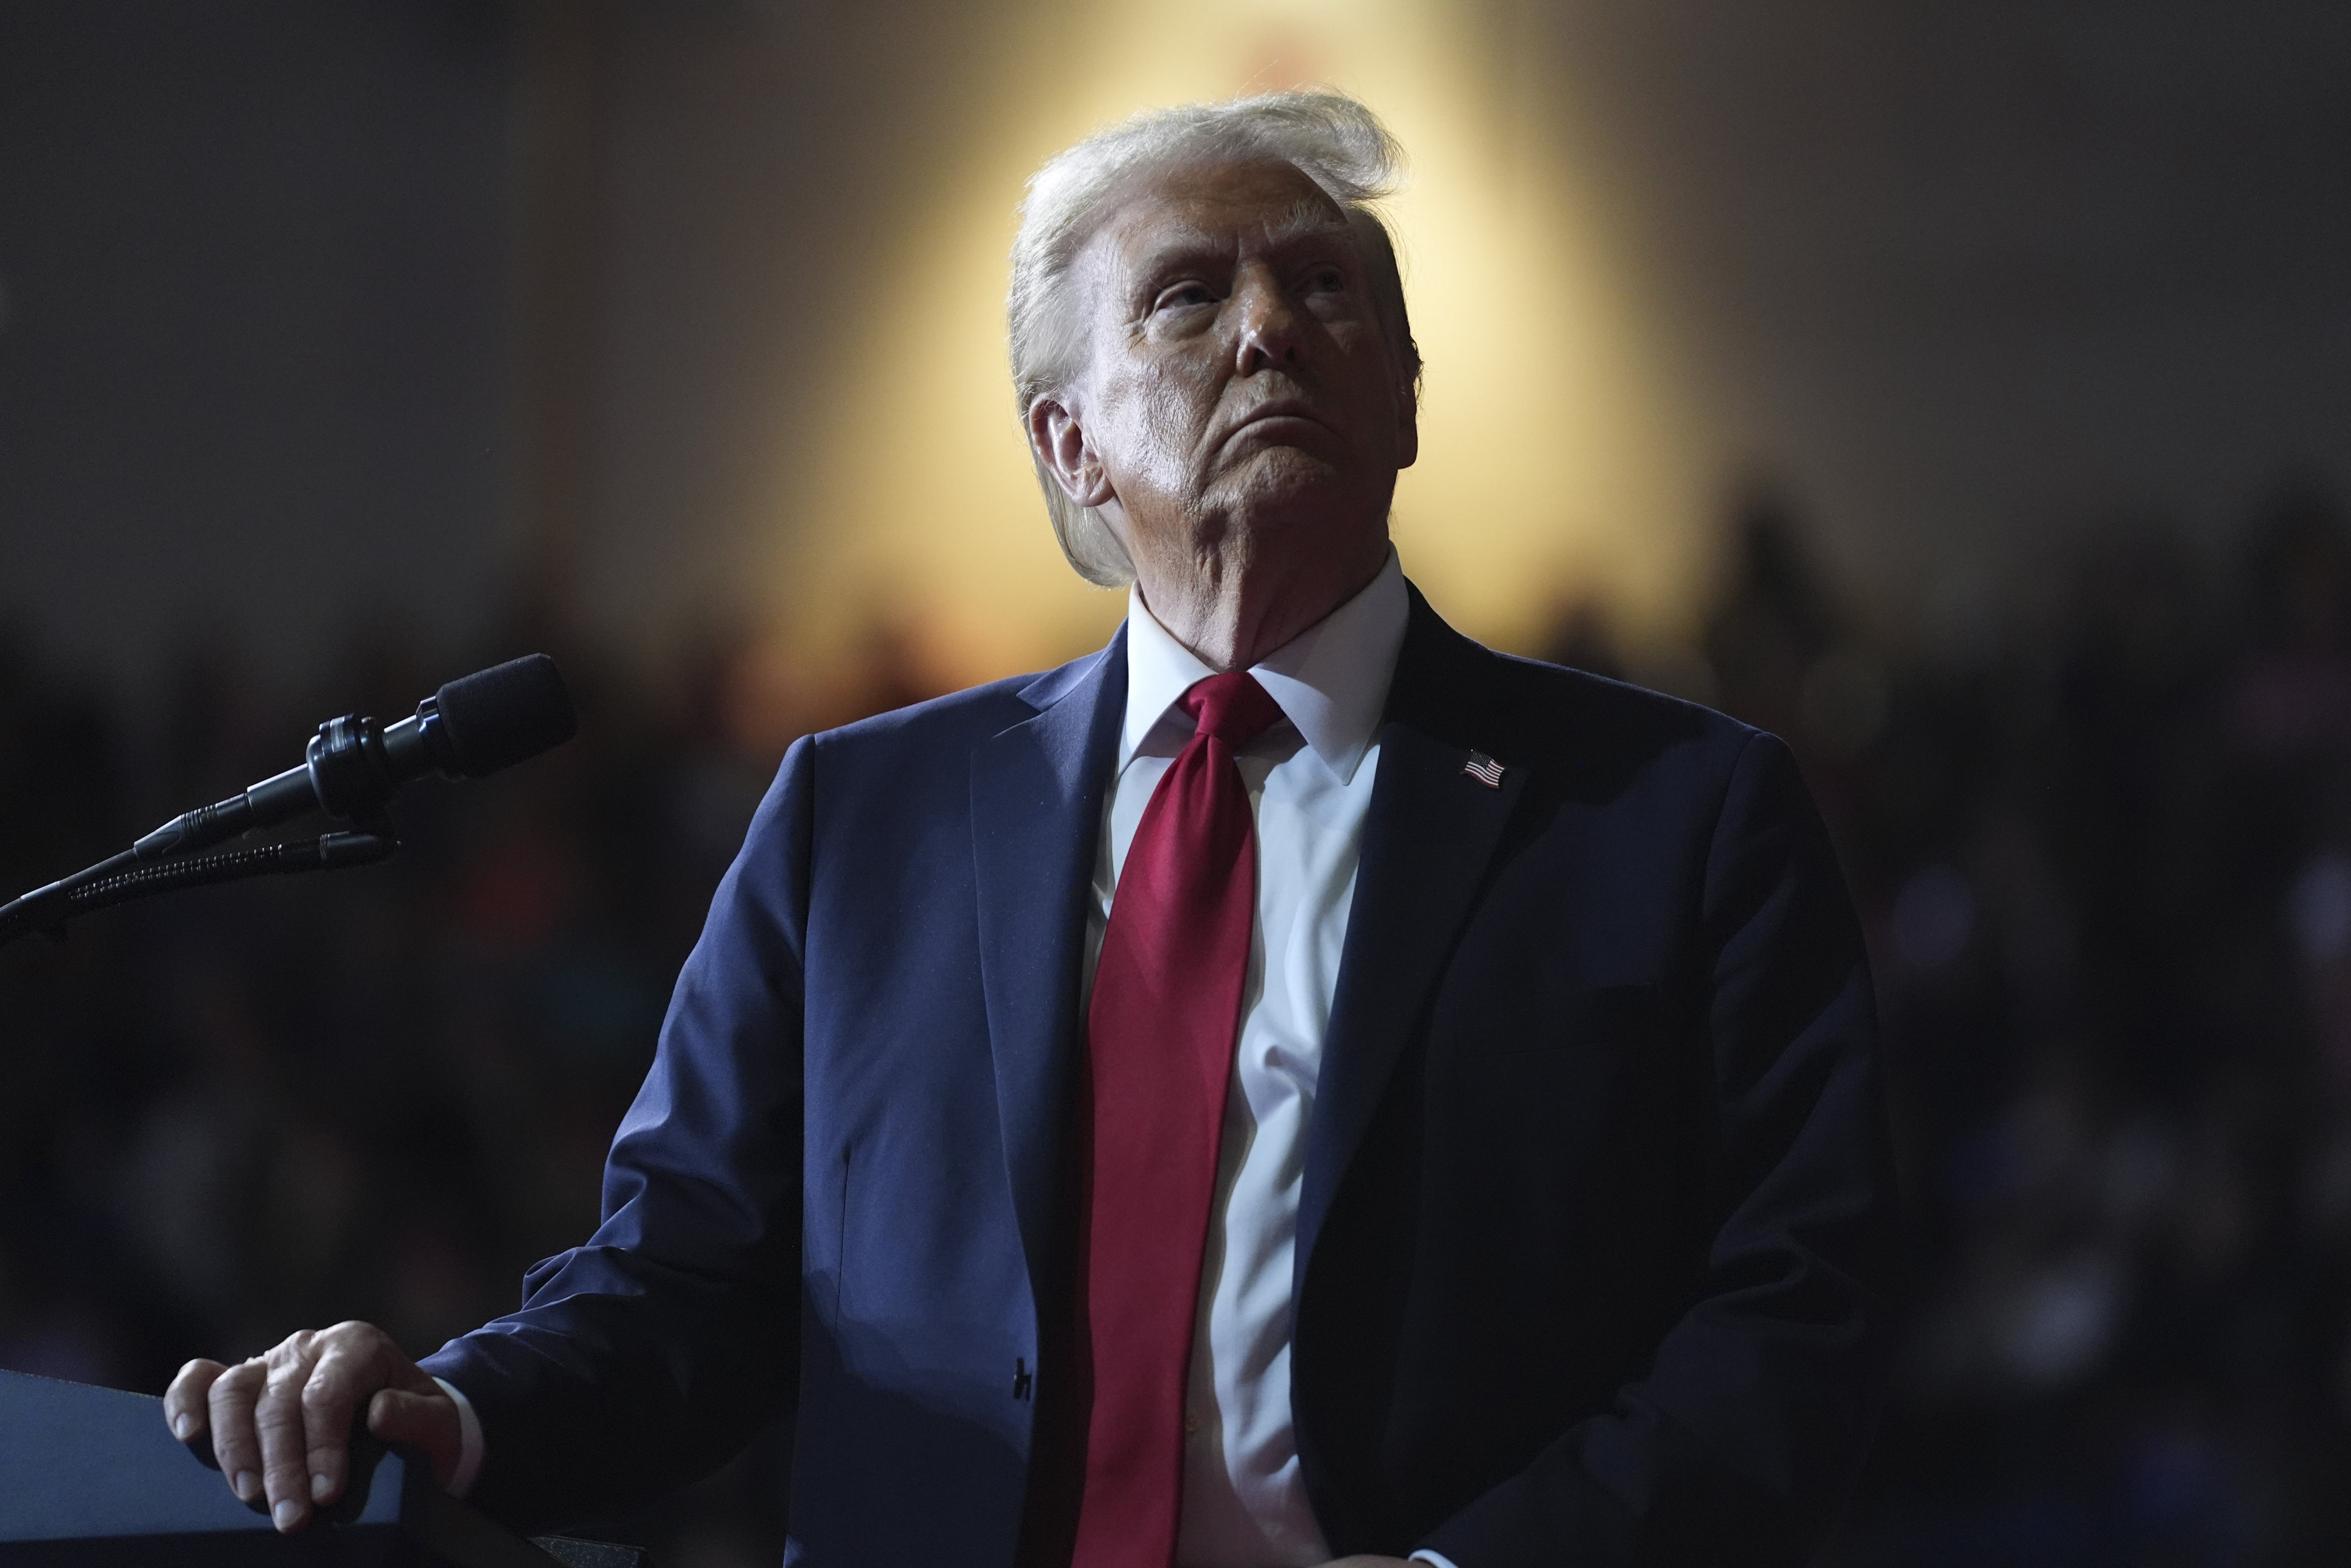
(281, 1422)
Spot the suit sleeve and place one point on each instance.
(1742, 1439)
(651, 1354)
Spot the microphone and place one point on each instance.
(471, 728)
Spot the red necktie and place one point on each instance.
(1159, 1055)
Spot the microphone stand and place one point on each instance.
(345, 776)
(123, 877)
(351, 770)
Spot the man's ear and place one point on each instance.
(1060, 443)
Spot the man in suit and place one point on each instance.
(1293, 1085)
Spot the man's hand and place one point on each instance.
(281, 1422)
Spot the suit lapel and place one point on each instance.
(1035, 812)
(1429, 838)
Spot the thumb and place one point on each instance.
(424, 1421)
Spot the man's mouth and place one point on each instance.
(1280, 411)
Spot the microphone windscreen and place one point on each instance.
(497, 717)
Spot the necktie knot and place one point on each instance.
(1232, 707)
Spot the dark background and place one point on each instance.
(345, 349)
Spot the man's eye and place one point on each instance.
(1325, 280)
(1184, 295)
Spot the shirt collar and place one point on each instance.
(1331, 680)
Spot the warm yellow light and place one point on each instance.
(1552, 463)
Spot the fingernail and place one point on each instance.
(287, 1514)
(184, 1426)
(248, 1486)
(318, 1484)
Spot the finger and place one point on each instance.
(285, 1444)
(350, 1366)
(185, 1400)
(427, 1421)
(234, 1443)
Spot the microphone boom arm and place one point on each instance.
(125, 877)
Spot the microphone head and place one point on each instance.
(497, 717)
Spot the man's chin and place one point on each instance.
(1282, 476)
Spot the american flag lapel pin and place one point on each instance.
(1484, 769)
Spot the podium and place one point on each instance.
(91, 1476)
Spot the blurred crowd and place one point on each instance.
(2104, 863)
(2103, 853)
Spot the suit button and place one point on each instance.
(1191, 1425)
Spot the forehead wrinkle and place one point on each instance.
(1177, 239)
(1174, 237)
(1307, 218)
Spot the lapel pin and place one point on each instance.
(1484, 769)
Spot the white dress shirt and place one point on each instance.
(1309, 782)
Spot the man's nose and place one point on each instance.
(1271, 332)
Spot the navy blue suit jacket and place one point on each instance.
(1596, 1210)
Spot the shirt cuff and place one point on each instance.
(1423, 1555)
(469, 1446)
